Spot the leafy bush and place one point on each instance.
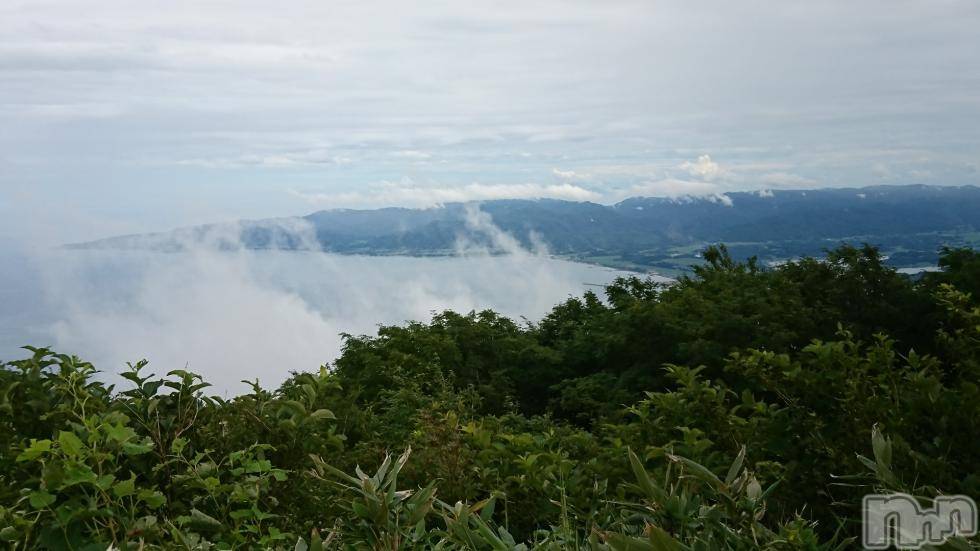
(741, 408)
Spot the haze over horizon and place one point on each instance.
(121, 118)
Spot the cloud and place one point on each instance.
(680, 190)
(672, 187)
(707, 178)
(155, 110)
(245, 314)
(408, 193)
(481, 223)
(786, 179)
(412, 154)
(276, 160)
(703, 168)
(720, 198)
(565, 174)
(64, 112)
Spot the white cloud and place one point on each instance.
(720, 198)
(412, 154)
(291, 159)
(236, 314)
(679, 190)
(260, 314)
(478, 221)
(104, 94)
(564, 174)
(408, 193)
(673, 187)
(703, 168)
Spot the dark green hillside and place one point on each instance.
(910, 224)
(744, 407)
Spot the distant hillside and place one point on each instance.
(909, 223)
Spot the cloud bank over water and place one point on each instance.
(239, 314)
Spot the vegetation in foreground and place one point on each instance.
(742, 408)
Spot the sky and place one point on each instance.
(121, 117)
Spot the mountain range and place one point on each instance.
(909, 223)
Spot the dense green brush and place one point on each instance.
(741, 408)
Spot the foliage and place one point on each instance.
(741, 408)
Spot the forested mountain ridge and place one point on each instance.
(909, 223)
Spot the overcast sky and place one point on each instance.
(134, 116)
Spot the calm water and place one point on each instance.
(233, 316)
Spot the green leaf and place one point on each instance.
(78, 473)
(316, 542)
(145, 523)
(125, 488)
(153, 499)
(658, 541)
(736, 467)
(653, 491)
(321, 414)
(294, 407)
(105, 481)
(620, 542)
(178, 445)
(70, 444)
(361, 510)
(203, 521)
(41, 499)
(137, 448)
(35, 450)
(882, 448)
(9, 533)
(661, 539)
(239, 514)
(754, 489)
(698, 470)
(486, 508)
(151, 388)
(258, 466)
(118, 432)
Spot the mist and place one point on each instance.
(233, 315)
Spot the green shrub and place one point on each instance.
(742, 408)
